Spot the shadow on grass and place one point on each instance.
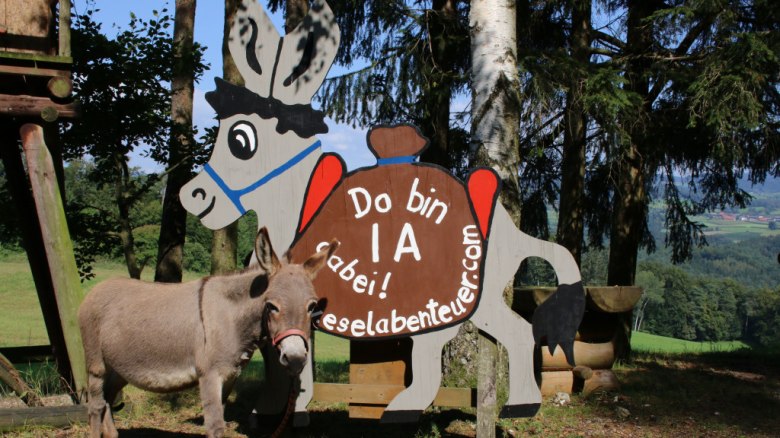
(724, 390)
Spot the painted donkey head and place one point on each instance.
(267, 129)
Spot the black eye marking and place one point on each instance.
(242, 140)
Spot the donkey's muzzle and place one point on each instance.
(293, 349)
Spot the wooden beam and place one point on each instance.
(34, 106)
(366, 394)
(33, 71)
(59, 248)
(57, 416)
(11, 377)
(19, 186)
(37, 57)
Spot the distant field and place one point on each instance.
(738, 229)
(646, 342)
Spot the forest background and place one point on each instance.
(683, 93)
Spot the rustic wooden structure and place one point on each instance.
(35, 88)
(594, 348)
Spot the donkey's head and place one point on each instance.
(267, 127)
(289, 300)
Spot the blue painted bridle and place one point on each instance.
(235, 195)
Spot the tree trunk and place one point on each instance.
(173, 229)
(572, 206)
(435, 123)
(630, 202)
(122, 195)
(224, 242)
(494, 136)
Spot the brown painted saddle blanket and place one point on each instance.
(413, 239)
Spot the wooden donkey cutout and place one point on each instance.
(168, 337)
(266, 152)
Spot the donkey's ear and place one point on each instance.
(264, 252)
(317, 261)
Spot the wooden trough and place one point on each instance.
(594, 348)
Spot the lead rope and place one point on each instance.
(294, 385)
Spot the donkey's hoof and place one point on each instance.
(517, 411)
(411, 416)
(301, 419)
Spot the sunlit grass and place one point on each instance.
(646, 342)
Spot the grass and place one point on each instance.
(649, 343)
(671, 388)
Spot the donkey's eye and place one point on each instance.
(312, 307)
(271, 307)
(242, 140)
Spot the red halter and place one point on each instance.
(289, 332)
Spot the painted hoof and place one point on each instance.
(301, 419)
(401, 416)
(517, 411)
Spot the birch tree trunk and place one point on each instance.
(494, 136)
(173, 227)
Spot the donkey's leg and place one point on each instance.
(504, 254)
(97, 406)
(112, 386)
(213, 410)
(426, 377)
(514, 333)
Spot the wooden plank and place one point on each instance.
(34, 106)
(384, 362)
(57, 416)
(10, 376)
(33, 71)
(37, 57)
(59, 248)
(366, 394)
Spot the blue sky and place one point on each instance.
(115, 14)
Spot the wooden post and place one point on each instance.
(64, 28)
(33, 243)
(487, 399)
(59, 248)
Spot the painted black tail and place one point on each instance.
(556, 320)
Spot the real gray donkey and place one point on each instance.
(168, 337)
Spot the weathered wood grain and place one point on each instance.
(59, 248)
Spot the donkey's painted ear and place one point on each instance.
(318, 260)
(264, 252)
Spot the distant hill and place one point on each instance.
(752, 262)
